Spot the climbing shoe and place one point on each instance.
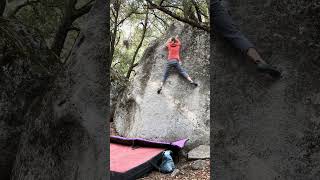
(159, 90)
(194, 83)
(266, 68)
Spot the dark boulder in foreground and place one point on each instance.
(267, 129)
(26, 69)
(61, 124)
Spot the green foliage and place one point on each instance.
(11, 41)
(129, 33)
(44, 16)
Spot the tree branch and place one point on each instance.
(154, 24)
(125, 18)
(159, 18)
(118, 40)
(170, 6)
(73, 28)
(136, 64)
(18, 8)
(3, 4)
(83, 10)
(70, 15)
(113, 12)
(161, 2)
(74, 43)
(71, 4)
(182, 19)
(116, 7)
(198, 11)
(132, 64)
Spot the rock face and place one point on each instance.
(23, 77)
(181, 110)
(266, 129)
(118, 84)
(200, 152)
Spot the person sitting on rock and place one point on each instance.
(173, 44)
(224, 25)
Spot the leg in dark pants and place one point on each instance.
(184, 73)
(181, 71)
(165, 75)
(176, 65)
(223, 24)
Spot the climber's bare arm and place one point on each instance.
(178, 41)
(166, 45)
(168, 41)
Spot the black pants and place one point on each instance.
(173, 64)
(223, 24)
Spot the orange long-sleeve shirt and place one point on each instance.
(174, 50)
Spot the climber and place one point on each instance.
(223, 24)
(173, 45)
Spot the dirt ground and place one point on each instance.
(185, 172)
(184, 166)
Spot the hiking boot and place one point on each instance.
(266, 68)
(194, 83)
(159, 90)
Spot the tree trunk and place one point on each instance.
(198, 11)
(145, 24)
(179, 18)
(23, 78)
(65, 136)
(2, 6)
(264, 129)
(116, 6)
(70, 15)
(20, 6)
(61, 36)
(188, 10)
